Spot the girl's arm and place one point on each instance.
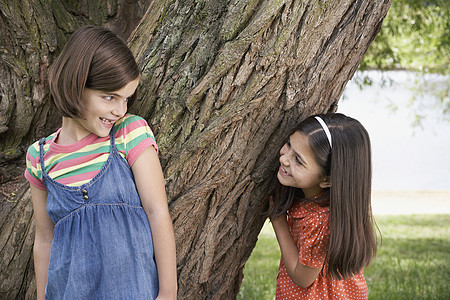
(42, 239)
(300, 274)
(150, 185)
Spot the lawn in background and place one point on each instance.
(260, 271)
(413, 261)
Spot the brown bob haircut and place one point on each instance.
(94, 58)
(352, 240)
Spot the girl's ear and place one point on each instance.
(326, 182)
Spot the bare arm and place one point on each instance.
(300, 274)
(150, 184)
(42, 239)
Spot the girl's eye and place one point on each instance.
(297, 160)
(108, 98)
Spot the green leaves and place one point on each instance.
(414, 36)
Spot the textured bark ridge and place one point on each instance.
(31, 35)
(224, 83)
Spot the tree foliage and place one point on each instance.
(414, 36)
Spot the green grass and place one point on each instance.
(261, 269)
(413, 261)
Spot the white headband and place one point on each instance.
(325, 128)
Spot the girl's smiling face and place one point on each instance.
(103, 109)
(299, 168)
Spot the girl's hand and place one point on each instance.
(163, 297)
(271, 202)
(276, 221)
(281, 218)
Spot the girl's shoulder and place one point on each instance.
(133, 135)
(131, 127)
(129, 120)
(33, 171)
(306, 209)
(33, 149)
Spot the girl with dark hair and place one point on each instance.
(321, 212)
(103, 228)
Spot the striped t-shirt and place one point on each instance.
(76, 164)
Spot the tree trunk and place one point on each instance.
(224, 83)
(31, 35)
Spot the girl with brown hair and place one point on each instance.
(321, 212)
(103, 228)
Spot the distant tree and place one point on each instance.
(415, 36)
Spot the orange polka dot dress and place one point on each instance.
(308, 224)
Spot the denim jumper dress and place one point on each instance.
(102, 245)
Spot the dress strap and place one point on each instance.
(41, 154)
(112, 138)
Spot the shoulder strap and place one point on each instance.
(41, 153)
(112, 138)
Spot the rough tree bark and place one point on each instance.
(224, 83)
(31, 34)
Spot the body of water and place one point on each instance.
(405, 157)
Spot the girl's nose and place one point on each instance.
(283, 150)
(120, 108)
(284, 160)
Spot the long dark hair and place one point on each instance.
(352, 241)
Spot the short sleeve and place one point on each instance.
(33, 171)
(313, 241)
(133, 136)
